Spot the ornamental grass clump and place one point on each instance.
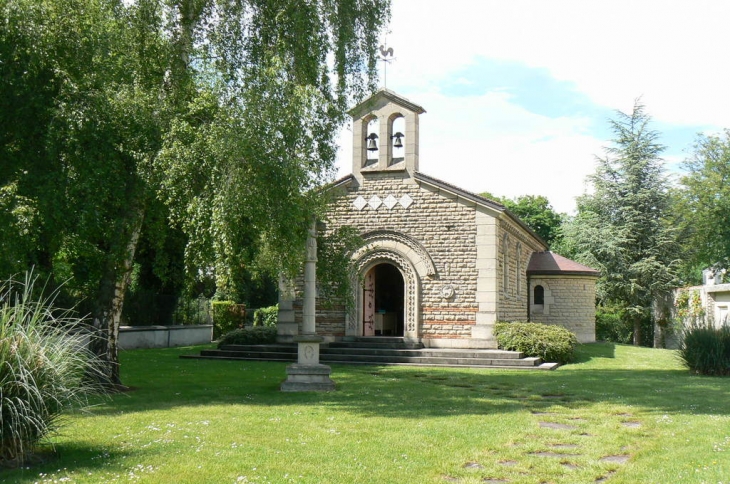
(705, 350)
(45, 368)
(551, 343)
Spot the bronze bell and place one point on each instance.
(372, 144)
(398, 143)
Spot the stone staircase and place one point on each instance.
(382, 351)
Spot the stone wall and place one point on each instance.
(513, 298)
(569, 302)
(442, 224)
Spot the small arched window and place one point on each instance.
(372, 144)
(539, 295)
(518, 266)
(397, 138)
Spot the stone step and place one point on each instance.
(365, 339)
(423, 357)
(377, 345)
(279, 355)
(429, 352)
(282, 348)
(425, 360)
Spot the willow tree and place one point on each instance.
(224, 111)
(622, 228)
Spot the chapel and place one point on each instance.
(438, 265)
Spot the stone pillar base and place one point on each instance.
(308, 378)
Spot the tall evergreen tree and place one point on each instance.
(622, 228)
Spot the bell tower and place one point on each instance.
(385, 135)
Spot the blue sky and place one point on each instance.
(518, 93)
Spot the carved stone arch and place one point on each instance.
(373, 254)
(400, 243)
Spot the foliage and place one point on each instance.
(549, 342)
(266, 316)
(688, 307)
(612, 325)
(44, 368)
(622, 228)
(703, 202)
(536, 212)
(335, 273)
(121, 119)
(258, 335)
(227, 316)
(705, 350)
(192, 311)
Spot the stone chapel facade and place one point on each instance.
(438, 265)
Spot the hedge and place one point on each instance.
(549, 342)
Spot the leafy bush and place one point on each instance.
(227, 316)
(266, 316)
(706, 350)
(45, 367)
(551, 343)
(257, 335)
(612, 326)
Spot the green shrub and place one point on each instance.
(257, 335)
(706, 350)
(551, 343)
(227, 316)
(612, 326)
(45, 367)
(266, 316)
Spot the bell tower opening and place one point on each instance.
(383, 301)
(385, 135)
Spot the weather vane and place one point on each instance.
(386, 52)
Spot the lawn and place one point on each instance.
(619, 415)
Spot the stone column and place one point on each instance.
(307, 374)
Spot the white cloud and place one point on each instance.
(670, 52)
(486, 143)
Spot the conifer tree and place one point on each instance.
(622, 227)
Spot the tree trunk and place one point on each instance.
(637, 331)
(111, 302)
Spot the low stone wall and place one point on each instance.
(134, 337)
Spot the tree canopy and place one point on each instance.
(122, 118)
(622, 228)
(703, 202)
(537, 213)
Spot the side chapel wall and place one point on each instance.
(512, 299)
(569, 302)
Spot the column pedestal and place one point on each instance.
(307, 374)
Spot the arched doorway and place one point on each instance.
(383, 301)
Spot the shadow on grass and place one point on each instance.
(589, 351)
(164, 381)
(95, 462)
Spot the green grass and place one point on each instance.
(196, 421)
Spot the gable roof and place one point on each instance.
(478, 199)
(549, 263)
(384, 94)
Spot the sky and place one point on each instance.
(518, 94)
